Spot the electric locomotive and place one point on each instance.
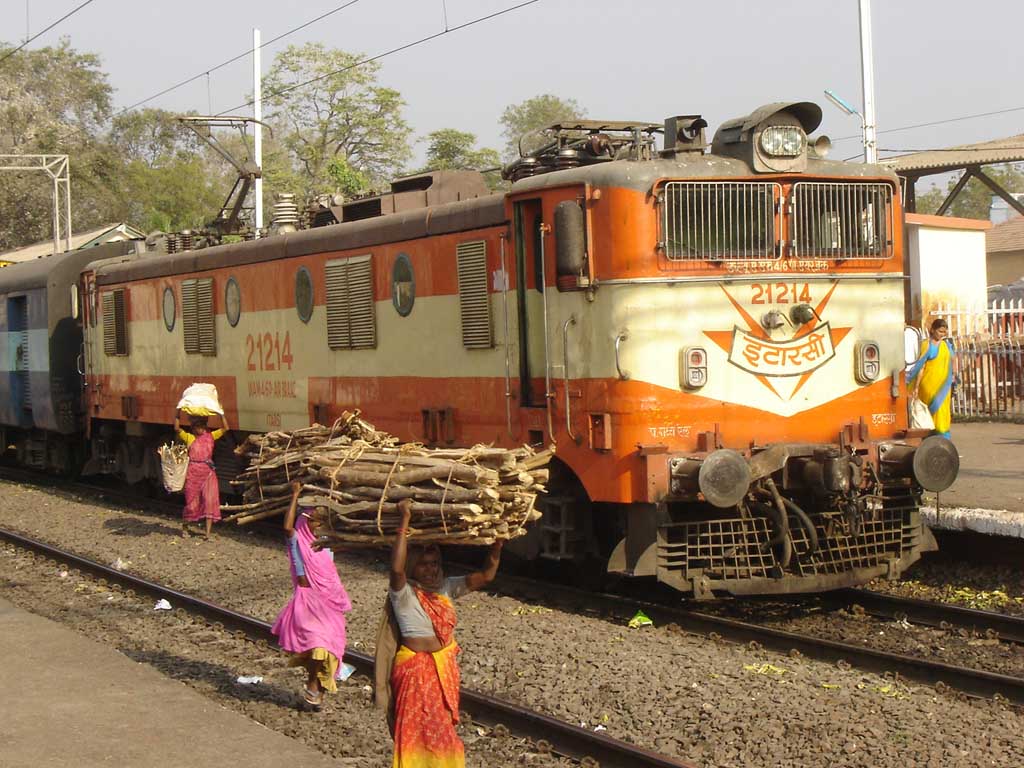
(711, 336)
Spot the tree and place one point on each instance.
(534, 114)
(451, 149)
(975, 198)
(342, 113)
(53, 100)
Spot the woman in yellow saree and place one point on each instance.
(934, 373)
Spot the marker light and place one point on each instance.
(867, 362)
(695, 367)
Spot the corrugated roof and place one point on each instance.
(1008, 236)
(1008, 150)
(105, 234)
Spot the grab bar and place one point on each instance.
(565, 366)
(548, 394)
(624, 375)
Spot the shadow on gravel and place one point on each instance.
(219, 677)
(126, 526)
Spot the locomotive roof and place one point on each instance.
(640, 175)
(452, 217)
(397, 227)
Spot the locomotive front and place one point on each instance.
(753, 298)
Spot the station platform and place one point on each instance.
(988, 495)
(68, 701)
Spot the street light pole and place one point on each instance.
(868, 82)
(257, 113)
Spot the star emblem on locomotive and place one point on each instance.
(783, 366)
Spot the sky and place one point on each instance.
(933, 59)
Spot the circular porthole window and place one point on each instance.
(169, 308)
(304, 294)
(403, 285)
(232, 301)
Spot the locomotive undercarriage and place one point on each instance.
(790, 518)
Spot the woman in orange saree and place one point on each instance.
(419, 682)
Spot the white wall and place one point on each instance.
(946, 264)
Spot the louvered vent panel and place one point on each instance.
(120, 323)
(474, 301)
(190, 316)
(204, 312)
(109, 325)
(339, 335)
(362, 308)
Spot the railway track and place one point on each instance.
(970, 681)
(930, 614)
(548, 733)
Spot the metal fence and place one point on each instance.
(989, 363)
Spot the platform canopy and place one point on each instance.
(969, 158)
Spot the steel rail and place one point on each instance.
(931, 614)
(563, 738)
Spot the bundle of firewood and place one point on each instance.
(355, 475)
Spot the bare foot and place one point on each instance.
(184, 533)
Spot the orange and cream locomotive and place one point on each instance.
(712, 337)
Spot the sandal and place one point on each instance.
(315, 699)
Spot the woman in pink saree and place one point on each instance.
(312, 626)
(202, 496)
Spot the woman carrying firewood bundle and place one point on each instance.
(312, 626)
(202, 496)
(418, 684)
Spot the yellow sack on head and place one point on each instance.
(201, 400)
(197, 410)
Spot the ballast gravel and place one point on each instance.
(708, 701)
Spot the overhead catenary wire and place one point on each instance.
(944, 121)
(42, 32)
(377, 57)
(248, 51)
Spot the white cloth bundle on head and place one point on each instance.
(201, 400)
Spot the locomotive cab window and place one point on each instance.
(115, 326)
(842, 220)
(719, 221)
(351, 309)
(197, 317)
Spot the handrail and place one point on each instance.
(508, 363)
(565, 367)
(548, 394)
(624, 375)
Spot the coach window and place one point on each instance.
(304, 294)
(232, 301)
(403, 285)
(170, 308)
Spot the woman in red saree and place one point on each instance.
(419, 684)
(202, 496)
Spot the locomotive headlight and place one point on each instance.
(867, 362)
(695, 367)
(783, 141)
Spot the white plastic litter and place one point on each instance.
(200, 398)
(119, 564)
(344, 672)
(162, 605)
(600, 728)
(249, 679)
